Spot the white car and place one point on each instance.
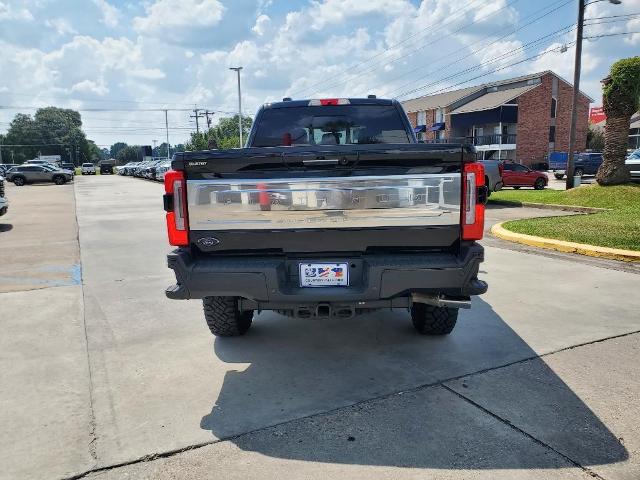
(88, 169)
(633, 164)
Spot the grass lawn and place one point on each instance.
(619, 228)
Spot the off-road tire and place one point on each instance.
(431, 320)
(223, 317)
(539, 184)
(19, 181)
(59, 180)
(559, 176)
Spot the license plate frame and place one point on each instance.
(323, 274)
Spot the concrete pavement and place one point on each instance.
(287, 399)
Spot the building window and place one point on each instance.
(533, 81)
(422, 118)
(554, 107)
(552, 134)
(439, 115)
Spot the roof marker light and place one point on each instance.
(328, 101)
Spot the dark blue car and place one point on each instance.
(583, 164)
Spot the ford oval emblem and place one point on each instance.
(208, 242)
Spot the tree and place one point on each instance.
(621, 99)
(51, 131)
(115, 149)
(130, 153)
(224, 134)
(595, 138)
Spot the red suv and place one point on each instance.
(516, 176)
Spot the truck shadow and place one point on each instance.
(300, 368)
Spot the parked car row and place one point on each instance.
(151, 170)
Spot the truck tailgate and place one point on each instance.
(404, 196)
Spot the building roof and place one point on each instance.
(492, 100)
(445, 99)
(429, 102)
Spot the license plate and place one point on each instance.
(324, 274)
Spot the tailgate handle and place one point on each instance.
(321, 161)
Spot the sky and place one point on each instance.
(109, 58)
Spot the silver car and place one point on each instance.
(633, 164)
(38, 173)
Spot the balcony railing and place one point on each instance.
(496, 139)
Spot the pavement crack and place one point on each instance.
(523, 432)
(170, 453)
(91, 445)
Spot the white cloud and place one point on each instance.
(262, 23)
(89, 86)
(7, 12)
(61, 25)
(633, 26)
(179, 13)
(110, 14)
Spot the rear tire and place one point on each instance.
(19, 181)
(578, 172)
(559, 176)
(58, 180)
(539, 184)
(431, 320)
(223, 317)
(517, 188)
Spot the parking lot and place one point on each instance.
(106, 378)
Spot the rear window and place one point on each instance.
(87, 164)
(330, 125)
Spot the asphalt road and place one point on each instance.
(104, 377)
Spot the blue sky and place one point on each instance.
(107, 55)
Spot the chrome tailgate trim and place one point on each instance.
(328, 202)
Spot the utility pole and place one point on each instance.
(237, 69)
(197, 116)
(154, 146)
(166, 126)
(206, 114)
(576, 87)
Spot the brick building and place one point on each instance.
(521, 119)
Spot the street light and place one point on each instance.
(576, 86)
(237, 69)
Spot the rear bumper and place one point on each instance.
(275, 280)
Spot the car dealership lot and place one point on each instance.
(539, 379)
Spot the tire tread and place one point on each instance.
(223, 317)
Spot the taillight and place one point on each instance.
(175, 204)
(474, 196)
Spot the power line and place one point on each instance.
(473, 52)
(431, 31)
(507, 54)
(613, 34)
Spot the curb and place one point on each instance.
(562, 246)
(550, 206)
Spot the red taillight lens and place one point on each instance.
(472, 207)
(175, 188)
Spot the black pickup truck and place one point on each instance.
(333, 209)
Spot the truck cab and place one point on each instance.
(332, 210)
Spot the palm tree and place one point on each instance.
(621, 99)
